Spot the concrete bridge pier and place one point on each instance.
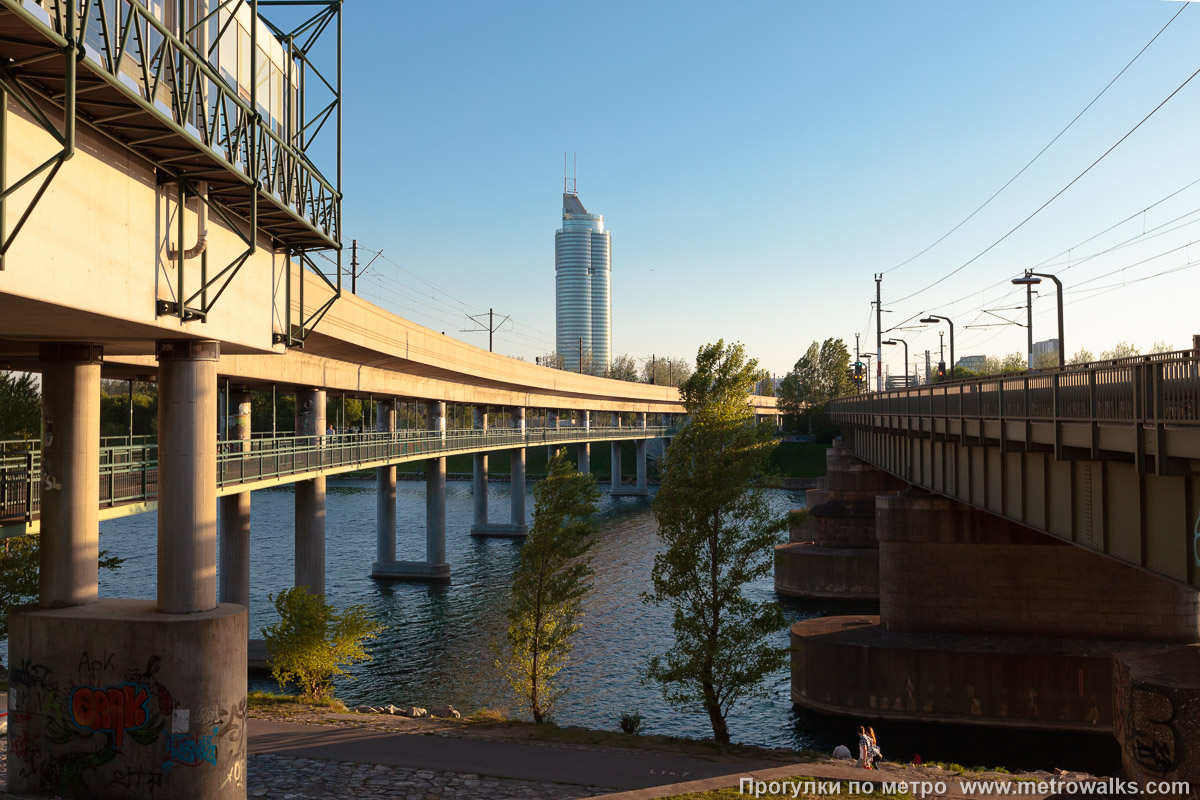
(836, 553)
(984, 621)
(310, 495)
(385, 491)
(515, 528)
(583, 450)
(159, 682)
(434, 567)
(479, 487)
(552, 424)
(234, 534)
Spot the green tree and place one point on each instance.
(821, 374)
(548, 588)
(1160, 346)
(20, 406)
(1015, 362)
(19, 558)
(1046, 360)
(666, 371)
(313, 640)
(1084, 356)
(553, 360)
(623, 368)
(718, 531)
(1121, 350)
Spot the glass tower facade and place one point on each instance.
(583, 287)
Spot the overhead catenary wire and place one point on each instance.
(1055, 196)
(1058, 136)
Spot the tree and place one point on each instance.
(718, 533)
(1046, 360)
(1120, 350)
(1084, 356)
(666, 371)
(553, 360)
(313, 640)
(19, 559)
(623, 368)
(20, 406)
(548, 588)
(1160, 346)
(1015, 362)
(822, 374)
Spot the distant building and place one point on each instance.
(583, 287)
(1041, 348)
(898, 382)
(973, 363)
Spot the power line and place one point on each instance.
(1043, 150)
(1056, 195)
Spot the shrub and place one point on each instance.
(631, 721)
(313, 641)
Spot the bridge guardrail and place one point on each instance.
(129, 472)
(1163, 389)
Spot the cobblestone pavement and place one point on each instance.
(287, 778)
(274, 777)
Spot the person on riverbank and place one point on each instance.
(876, 753)
(865, 744)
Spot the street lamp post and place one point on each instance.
(1062, 347)
(933, 319)
(898, 340)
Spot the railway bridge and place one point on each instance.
(1033, 541)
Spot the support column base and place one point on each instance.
(410, 571)
(500, 530)
(629, 492)
(851, 666)
(114, 699)
(1156, 707)
(804, 569)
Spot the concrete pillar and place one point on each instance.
(233, 573)
(552, 425)
(435, 491)
(480, 488)
(187, 476)
(642, 484)
(385, 490)
(173, 671)
(584, 449)
(615, 476)
(70, 479)
(517, 457)
(310, 497)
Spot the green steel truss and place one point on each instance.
(154, 90)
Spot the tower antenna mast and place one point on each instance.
(569, 183)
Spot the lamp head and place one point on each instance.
(890, 341)
(1028, 280)
(930, 320)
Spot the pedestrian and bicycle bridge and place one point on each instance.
(1033, 543)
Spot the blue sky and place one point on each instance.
(758, 163)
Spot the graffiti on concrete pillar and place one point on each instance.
(112, 709)
(1154, 735)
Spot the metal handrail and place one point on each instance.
(1162, 389)
(129, 472)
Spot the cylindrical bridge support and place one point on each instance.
(615, 478)
(583, 450)
(187, 476)
(310, 494)
(234, 570)
(551, 425)
(435, 493)
(70, 480)
(385, 490)
(479, 488)
(517, 459)
(642, 485)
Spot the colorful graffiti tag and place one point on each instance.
(191, 749)
(113, 709)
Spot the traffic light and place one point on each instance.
(941, 370)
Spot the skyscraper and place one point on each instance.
(583, 287)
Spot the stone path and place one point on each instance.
(275, 776)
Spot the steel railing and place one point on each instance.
(1162, 389)
(129, 467)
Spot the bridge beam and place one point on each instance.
(310, 497)
(233, 573)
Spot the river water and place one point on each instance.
(436, 648)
